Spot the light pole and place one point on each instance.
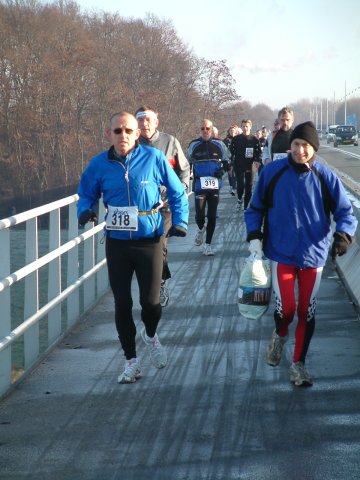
(327, 114)
(321, 119)
(345, 105)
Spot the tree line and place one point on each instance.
(63, 73)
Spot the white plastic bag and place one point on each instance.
(254, 291)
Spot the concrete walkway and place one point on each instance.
(215, 412)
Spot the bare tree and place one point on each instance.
(216, 85)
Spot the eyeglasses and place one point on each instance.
(206, 128)
(119, 131)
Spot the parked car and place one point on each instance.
(330, 134)
(345, 135)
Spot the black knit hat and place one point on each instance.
(306, 131)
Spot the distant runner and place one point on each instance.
(210, 159)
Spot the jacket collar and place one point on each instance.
(301, 167)
(149, 141)
(112, 155)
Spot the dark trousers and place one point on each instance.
(232, 178)
(145, 258)
(244, 180)
(209, 198)
(167, 217)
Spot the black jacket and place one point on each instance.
(245, 149)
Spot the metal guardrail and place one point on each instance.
(85, 280)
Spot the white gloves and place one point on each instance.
(255, 248)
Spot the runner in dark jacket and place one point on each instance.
(210, 159)
(231, 133)
(246, 152)
(277, 144)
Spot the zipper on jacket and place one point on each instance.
(128, 182)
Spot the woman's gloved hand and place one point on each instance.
(255, 247)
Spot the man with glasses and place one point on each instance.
(278, 143)
(128, 176)
(210, 159)
(148, 122)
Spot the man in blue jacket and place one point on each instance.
(294, 202)
(209, 158)
(128, 176)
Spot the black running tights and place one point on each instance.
(211, 199)
(145, 258)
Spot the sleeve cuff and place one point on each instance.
(255, 235)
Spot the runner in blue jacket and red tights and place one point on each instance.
(289, 218)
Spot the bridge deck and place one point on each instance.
(215, 412)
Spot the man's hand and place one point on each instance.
(219, 173)
(226, 166)
(87, 216)
(176, 231)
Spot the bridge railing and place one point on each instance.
(50, 274)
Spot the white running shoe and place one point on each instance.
(207, 250)
(131, 373)
(299, 376)
(164, 294)
(157, 352)
(199, 238)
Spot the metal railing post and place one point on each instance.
(31, 300)
(5, 324)
(73, 303)
(54, 280)
(102, 276)
(89, 262)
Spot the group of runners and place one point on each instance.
(144, 180)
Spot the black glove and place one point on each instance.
(219, 173)
(227, 166)
(87, 216)
(176, 231)
(340, 244)
(255, 235)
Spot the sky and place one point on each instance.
(278, 51)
